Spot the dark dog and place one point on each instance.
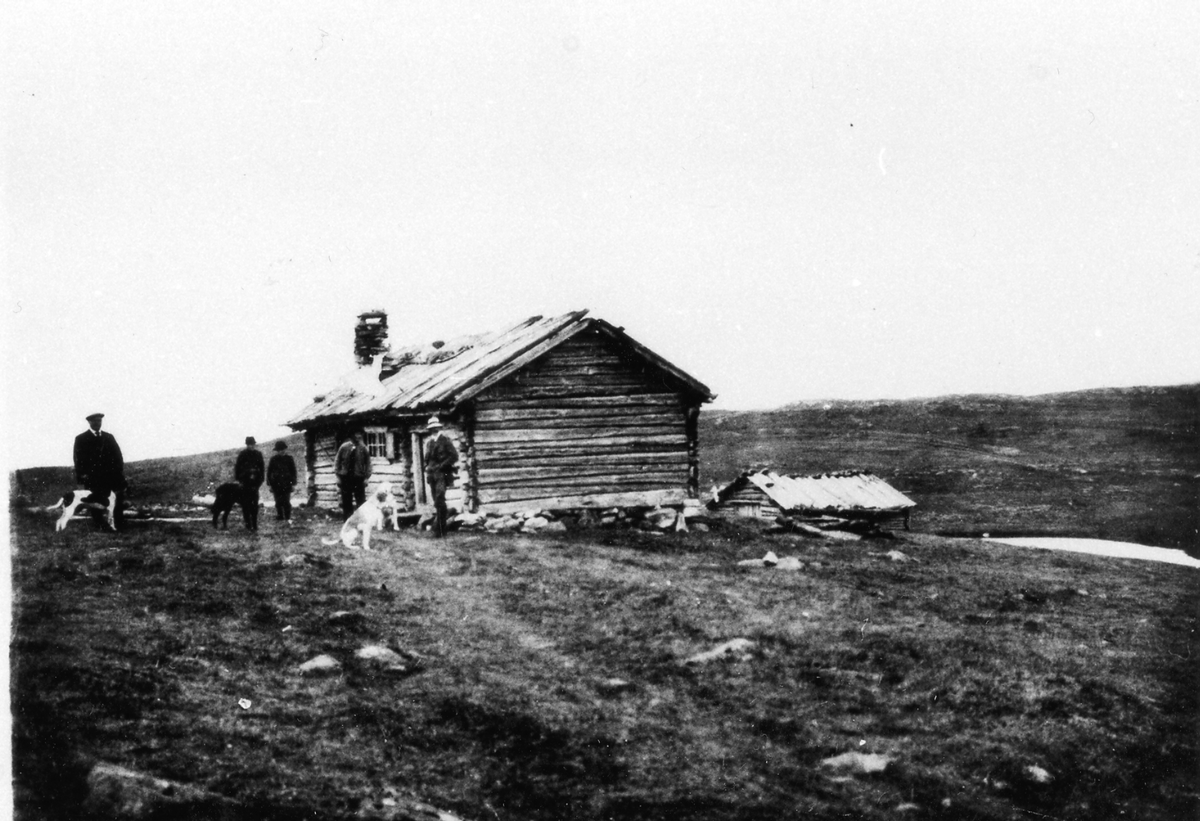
(226, 496)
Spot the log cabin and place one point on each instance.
(557, 413)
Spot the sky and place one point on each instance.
(790, 201)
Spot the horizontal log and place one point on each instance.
(602, 473)
(583, 422)
(579, 434)
(584, 457)
(647, 498)
(630, 380)
(627, 414)
(583, 370)
(540, 450)
(512, 494)
(633, 398)
(567, 391)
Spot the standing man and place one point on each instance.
(281, 478)
(248, 470)
(353, 469)
(99, 466)
(440, 459)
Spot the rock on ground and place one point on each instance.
(125, 795)
(858, 763)
(322, 665)
(733, 647)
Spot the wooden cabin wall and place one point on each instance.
(583, 425)
(396, 470)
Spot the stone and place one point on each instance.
(770, 559)
(858, 763)
(699, 527)
(471, 519)
(126, 795)
(321, 665)
(613, 686)
(556, 527)
(662, 518)
(790, 563)
(1038, 775)
(841, 536)
(897, 556)
(535, 523)
(733, 647)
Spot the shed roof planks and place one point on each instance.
(847, 491)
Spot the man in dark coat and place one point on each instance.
(281, 478)
(248, 470)
(441, 457)
(99, 466)
(352, 465)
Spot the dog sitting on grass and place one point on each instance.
(225, 497)
(73, 499)
(368, 517)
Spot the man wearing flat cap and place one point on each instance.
(441, 457)
(99, 466)
(249, 470)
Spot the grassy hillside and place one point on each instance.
(1120, 463)
(551, 682)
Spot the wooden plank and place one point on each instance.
(646, 498)
(538, 450)
(622, 412)
(579, 434)
(551, 458)
(572, 391)
(651, 398)
(591, 421)
(513, 494)
(566, 476)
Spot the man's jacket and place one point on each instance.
(248, 469)
(353, 462)
(281, 471)
(440, 457)
(98, 461)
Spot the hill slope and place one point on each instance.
(1117, 463)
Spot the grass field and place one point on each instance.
(999, 682)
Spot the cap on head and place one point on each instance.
(434, 423)
(94, 416)
(251, 441)
(280, 445)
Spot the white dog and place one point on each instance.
(368, 517)
(74, 498)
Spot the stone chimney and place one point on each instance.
(370, 336)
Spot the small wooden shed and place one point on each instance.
(765, 494)
(556, 413)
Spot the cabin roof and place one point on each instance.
(826, 492)
(424, 378)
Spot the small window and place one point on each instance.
(376, 440)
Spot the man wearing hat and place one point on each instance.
(99, 466)
(352, 465)
(281, 478)
(248, 470)
(440, 459)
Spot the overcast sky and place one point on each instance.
(788, 200)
